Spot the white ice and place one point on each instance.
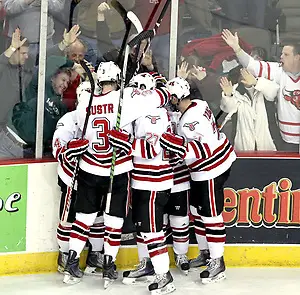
(240, 281)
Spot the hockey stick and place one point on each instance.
(76, 165)
(148, 34)
(71, 15)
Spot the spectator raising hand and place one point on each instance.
(182, 70)
(247, 78)
(226, 86)
(231, 40)
(101, 10)
(71, 36)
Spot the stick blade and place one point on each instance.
(119, 7)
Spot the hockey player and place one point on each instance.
(287, 75)
(95, 164)
(177, 206)
(209, 156)
(152, 179)
(62, 144)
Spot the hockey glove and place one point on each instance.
(121, 140)
(174, 143)
(74, 148)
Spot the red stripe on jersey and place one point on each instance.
(290, 134)
(151, 179)
(221, 161)
(288, 123)
(143, 150)
(182, 180)
(156, 240)
(148, 167)
(113, 230)
(295, 81)
(195, 149)
(162, 100)
(220, 224)
(260, 69)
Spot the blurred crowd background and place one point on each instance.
(92, 30)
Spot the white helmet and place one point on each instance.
(179, 87)
(108, 72)
(83, 87)
(143, 81)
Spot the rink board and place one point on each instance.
(262, 214)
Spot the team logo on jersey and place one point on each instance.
(153, 119)
(177, 208)
(191, 126)
(292, 96)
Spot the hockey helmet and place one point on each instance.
(160, 80)
(143, 81)
(108, 72)
(179, 87)
(84, 86)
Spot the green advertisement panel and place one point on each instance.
(13, 200)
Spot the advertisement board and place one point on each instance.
(13, 203)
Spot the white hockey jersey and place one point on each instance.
(66, 129)
(209, 152)
(103, 117)
(181, 172)
(152, 170)
(288, 108)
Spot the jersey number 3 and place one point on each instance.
(103, 126)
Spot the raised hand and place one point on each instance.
(16, 39)
(101, 10)
(200, 73)
(182, 70)
(147, 60)
(248, 79)
(71, 36)
(231, 40)
(226, 86)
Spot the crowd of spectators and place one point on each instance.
(94, 31)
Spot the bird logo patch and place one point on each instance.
(191, 126)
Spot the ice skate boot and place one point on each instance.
(73, 274)
(143, 272)
(200, 260)
(182, 263)
(110, 273)
(163, 284)
(215, 271)
(62, 261)
(94, 263)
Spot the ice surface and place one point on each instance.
(240, 281)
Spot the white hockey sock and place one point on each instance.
(63, 236)
(215, 234)
(180, 232)
(112, 236)
(199, 228)
(158, 251)
(80, 231)
(96, 235)
(141, 246)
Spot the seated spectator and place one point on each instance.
(20, 132)
(16, 70)
(245, 95)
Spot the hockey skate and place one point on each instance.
(201, 260)
(62, 261)
(215, 271)
(163, 284)
(73, 274)
(94, 263)
(144, 272)
(110, 273)
(182, 263)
